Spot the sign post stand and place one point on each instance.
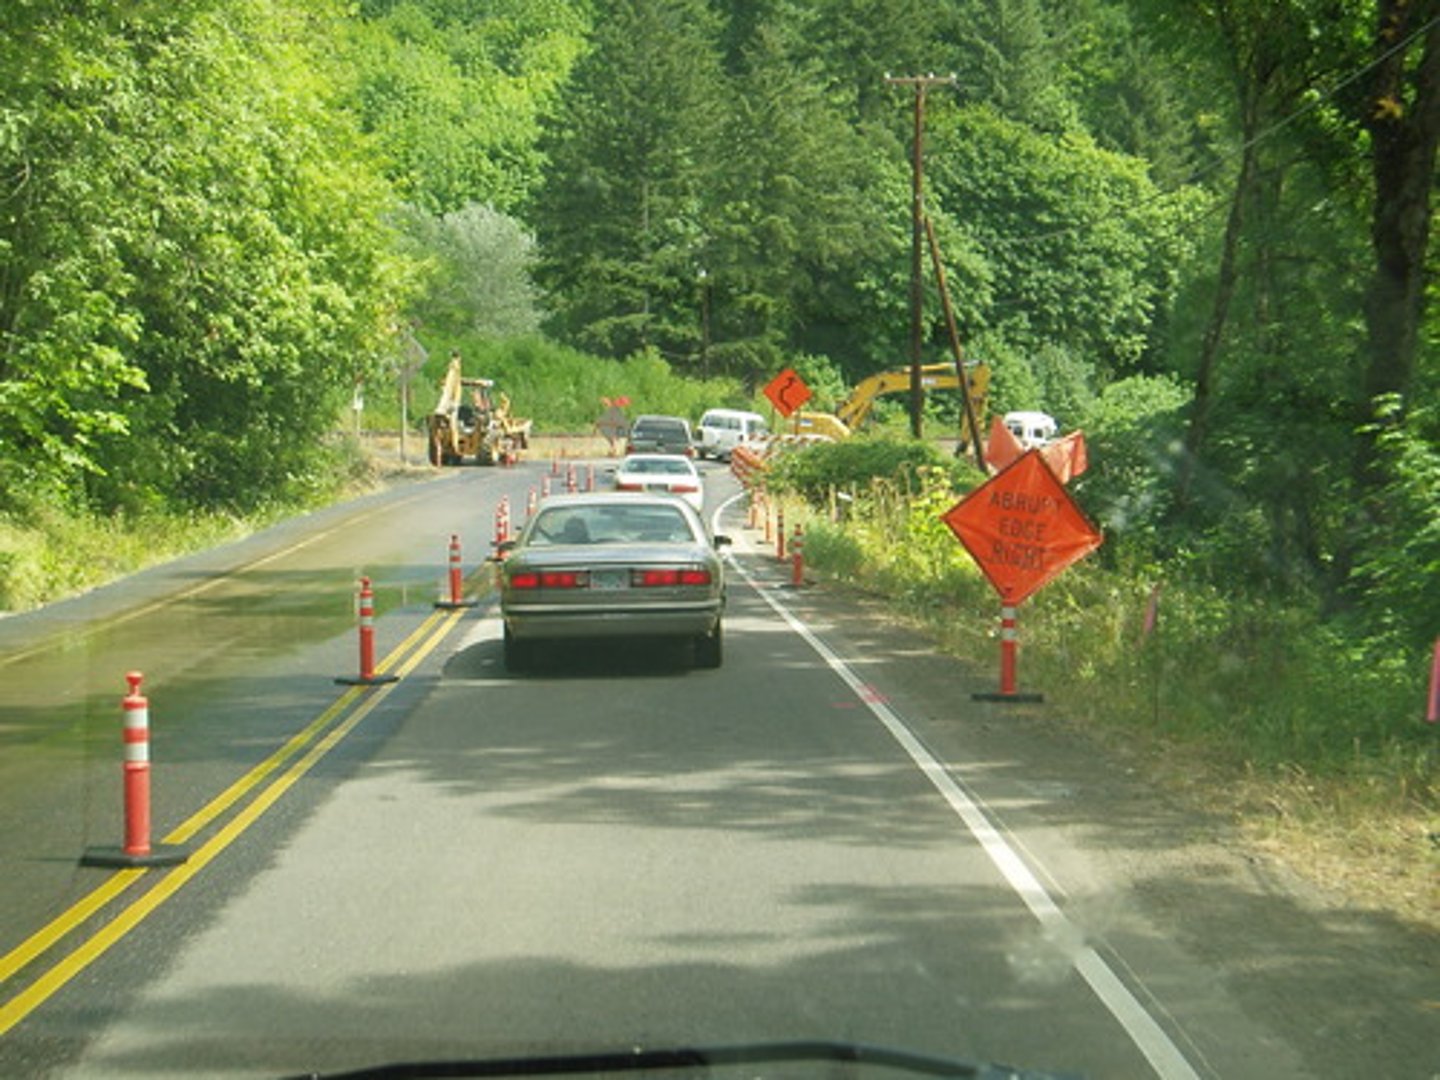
(1023, 529)
(1009, 650)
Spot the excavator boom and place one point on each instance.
(855, 409)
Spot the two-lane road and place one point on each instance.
(823, 839)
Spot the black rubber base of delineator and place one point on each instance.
(1017, 699)
(118, 858)
(450, 605)
(373, 680)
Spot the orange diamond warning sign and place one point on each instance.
(787, 391)
(1022, 527)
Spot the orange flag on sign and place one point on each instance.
(1001, 447)
(1067, 457)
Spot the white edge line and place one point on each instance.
(1147, 1035)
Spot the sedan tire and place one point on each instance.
(710, 649)
(519, 655)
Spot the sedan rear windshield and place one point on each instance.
(611, 525)
(658, 465)
(650, 428)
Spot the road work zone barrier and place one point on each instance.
(748, 467)
(137, 851)
(456, 599)
(1022, 528)
(797, 558)
(367, 676)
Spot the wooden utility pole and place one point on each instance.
(921, 83)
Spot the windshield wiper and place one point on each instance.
(641, 1059)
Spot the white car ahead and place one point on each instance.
(668, 474)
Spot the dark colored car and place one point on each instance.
(660, 435)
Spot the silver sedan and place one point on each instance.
(610, 565)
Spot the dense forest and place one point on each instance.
(1198, 229)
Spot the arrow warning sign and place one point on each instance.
(787, 392)
(1022, 528)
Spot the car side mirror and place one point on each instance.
(505, 547)
(721, 540)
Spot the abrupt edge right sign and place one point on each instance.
(1022, 528)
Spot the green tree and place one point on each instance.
(1268, 53)
(1011, 59)
(453, 91)
(195, 267)
(620, 219)
(794, 201)
(1082, 248)
(859, 42)
(478, 278)
(67, 334)
(1402, 118)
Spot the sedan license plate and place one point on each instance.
(609, 579)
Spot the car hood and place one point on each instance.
(744, 1062)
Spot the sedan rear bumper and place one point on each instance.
(533, 624)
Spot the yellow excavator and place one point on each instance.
(853, 411)
(476, 425)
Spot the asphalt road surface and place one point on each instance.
(825, 839)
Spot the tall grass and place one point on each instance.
(53, 555)
(49, 552)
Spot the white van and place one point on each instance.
(721, 430)
(1032, 429)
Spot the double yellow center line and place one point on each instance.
(271, 778)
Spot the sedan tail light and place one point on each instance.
(550, 579)
(685, 487)
(669, 576)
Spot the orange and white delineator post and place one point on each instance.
(457, 579)
(367, 676)
(1009, 650)
(502, 520)
(1009, 645)
(135, 738)
(797, 557)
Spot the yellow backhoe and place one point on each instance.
(471, 420)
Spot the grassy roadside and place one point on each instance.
(51, 555)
